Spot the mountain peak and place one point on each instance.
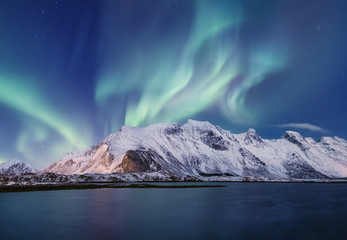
(198, 148)
(162, 126)
(251, 137)
(193, 124)
(16, 167)
(14, 161)
(198, 123)
(11, 162)
(292, 135)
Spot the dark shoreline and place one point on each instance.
(98, 185)
(52, 187)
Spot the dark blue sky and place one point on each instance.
(71, 72)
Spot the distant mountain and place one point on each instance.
(15, 167)
(201, 149)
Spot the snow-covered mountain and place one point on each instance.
(201, 149)
(15, 167)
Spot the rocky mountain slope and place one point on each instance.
(201, 149)
(15, 167)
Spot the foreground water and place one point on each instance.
(238, 211)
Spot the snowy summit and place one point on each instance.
(201, 149)
(15, 167)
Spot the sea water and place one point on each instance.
(237, 211)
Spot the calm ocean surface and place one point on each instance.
(238, 211)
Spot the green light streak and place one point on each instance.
(177, 81)
(174, 99)
(25, 98)
(30, 133)
(263, 60)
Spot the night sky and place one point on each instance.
(72, 72)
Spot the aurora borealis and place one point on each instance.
(72, 72)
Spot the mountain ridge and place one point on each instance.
(201, 149)
(15, 167)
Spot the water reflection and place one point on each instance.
(240, 211)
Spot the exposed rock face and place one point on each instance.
(214, 141)
(139, 161)
(302, 170)
(251, 137)
(202, 149)
(296, 139)
(252, 165)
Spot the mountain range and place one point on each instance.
(202, 150)
(15, 167)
